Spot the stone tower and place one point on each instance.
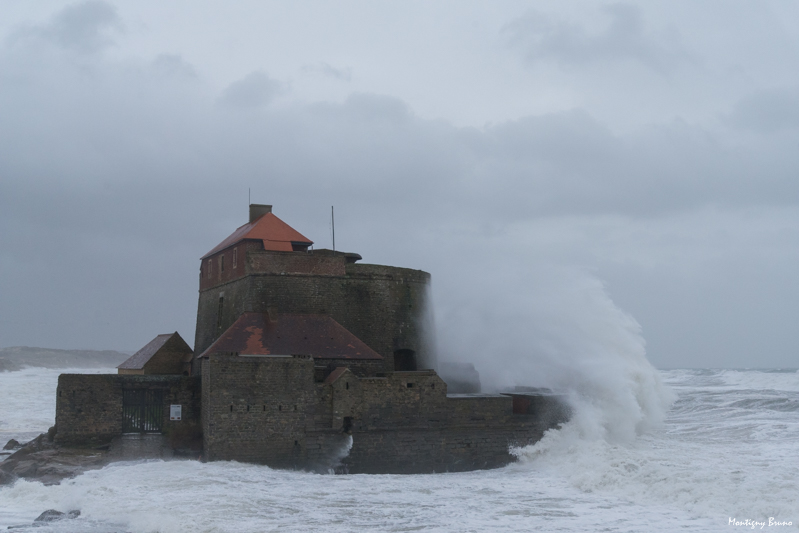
(265, 266)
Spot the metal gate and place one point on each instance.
(142, 411)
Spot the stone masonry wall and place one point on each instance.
(270, 410)
(257, 408)
(89, 406)
(383, 306)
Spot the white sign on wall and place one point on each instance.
(175, 412)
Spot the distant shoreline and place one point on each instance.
(19, 357)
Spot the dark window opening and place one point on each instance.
(264, 408)
(433, 386)
(346, 427)
(248, 408)
(296, 443)
(347, 385)
(221, 264)
(405, 361)
(231, 408)
(409, 385)
(235, 257)
(219, 312)
(295, 407)
(279, 407)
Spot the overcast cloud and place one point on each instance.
(645, 153)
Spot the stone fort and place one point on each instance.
(303, 359)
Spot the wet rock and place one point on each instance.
(51, 515)
(44, 461)
(6, 478)
(13, 444)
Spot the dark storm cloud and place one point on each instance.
(119, 174)
(625, 38)
(254, 90)
(86, 27)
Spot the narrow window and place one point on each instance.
(264, 407)
(279, 407)
(248, 408)
(410, 385)
(231, 408)
(219, 312)
(347, 385)
(208, 268)
(221, 264)
(235, 257)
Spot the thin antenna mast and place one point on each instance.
(333, 222)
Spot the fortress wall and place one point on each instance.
(89, 406)
(408, 450)
(382, 306)
(257, 409)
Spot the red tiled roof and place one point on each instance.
(319, 336)
(275, 234)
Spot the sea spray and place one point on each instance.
(560, 330)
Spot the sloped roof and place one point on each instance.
(275, 234)
(140, 358)
(334, 375)
(319, 336)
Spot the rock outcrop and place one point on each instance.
(42, 460)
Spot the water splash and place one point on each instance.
(560, 330)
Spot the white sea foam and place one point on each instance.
(723, 450)
(27, 400)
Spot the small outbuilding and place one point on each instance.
(165, 354)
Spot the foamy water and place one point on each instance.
(727, 448)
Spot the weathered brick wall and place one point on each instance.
(383, 306)
(89, 406)
(270, 410)
(397, 428)
(258, 408)
(168, 360)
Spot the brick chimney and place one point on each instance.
(258, 210)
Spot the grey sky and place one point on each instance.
(642, 152)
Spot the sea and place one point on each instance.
(723, 457)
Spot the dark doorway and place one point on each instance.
(142, 411)
(405, 361)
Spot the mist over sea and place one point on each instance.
(726, 448)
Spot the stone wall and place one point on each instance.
(271, 410)
(256, 409)
(383, 306)
(89, 406)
